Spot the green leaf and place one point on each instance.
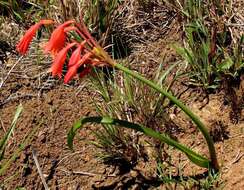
(226, 64)
(184, 53)
(18, 16)
(6, 4)
(5, 139)
(193, 156)
(161, 79)
(107, 120)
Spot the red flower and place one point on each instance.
(59, 60)
(76, 55)
(24, 43)
(72, 71)
(85, 58)
(57, 39)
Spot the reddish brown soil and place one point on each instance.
(55, 112)
(55, 108)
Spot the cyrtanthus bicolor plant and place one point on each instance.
(72, 39)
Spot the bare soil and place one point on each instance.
(54, 107)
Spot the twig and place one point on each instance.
(14, 97)
(69, 155)
(238, 157)
(81, 88)
(4, 80)
(237, 135)
(235, 24)
(86, 173)
(1, 121)
(39, 169)
(80, 172)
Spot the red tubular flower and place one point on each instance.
(24, 43)
(85, 58)
(59, 60)
(76, 55)
(72, 71)
(57, 39)
(73, 28)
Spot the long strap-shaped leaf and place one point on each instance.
(193, 156)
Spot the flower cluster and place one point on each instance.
(85, 53)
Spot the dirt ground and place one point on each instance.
(53, 107)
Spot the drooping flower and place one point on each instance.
(59, 60)
(81, 33)
(25, 41)
(86, 55)
(57, 39)
(85, 58)
(72, 71)
(76, 55)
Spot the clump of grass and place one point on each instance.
(116, 145)
(169, 180)
(209, 49)
(215, 59)
(99, 16)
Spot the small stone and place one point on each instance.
(133, 173)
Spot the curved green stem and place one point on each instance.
(194, 118)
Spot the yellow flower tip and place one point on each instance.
(102, 54)
(97, 52)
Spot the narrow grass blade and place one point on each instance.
(20, 148)
(5, 139)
